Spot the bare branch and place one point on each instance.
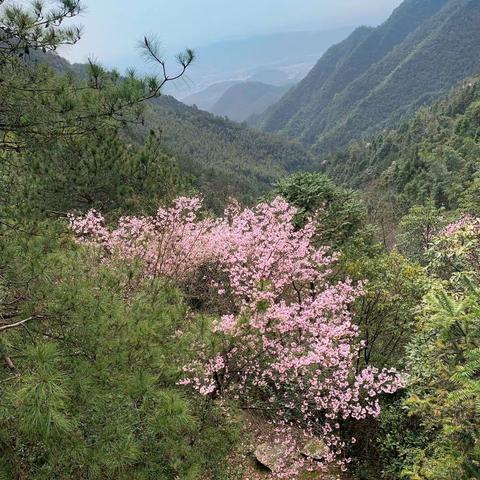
(20, 323)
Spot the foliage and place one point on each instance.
(287, 342)
(455, 249)
(431, 430)
(100, 171)
(92, 387)
(395, 286)
(74, 107)
(386, 312)
(339, 212)
(443, 356)
(37, 28)
(386, 317)
(418, 229)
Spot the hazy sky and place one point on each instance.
(113, 27)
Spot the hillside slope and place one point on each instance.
(224, 157)
(434, 156)
(378, 76)
(245, 99)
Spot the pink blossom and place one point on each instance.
(171, 244)
(290, 343)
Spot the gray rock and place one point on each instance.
(271, 456)
(314, 449)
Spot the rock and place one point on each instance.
(271, 456)
(314, 449)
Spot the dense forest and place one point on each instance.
(185, 297)
(431, 159)
(225, 159)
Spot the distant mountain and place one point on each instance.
(272, 76)
(239, 99)
(206, 99)
(377, 76)
(245, 99)
(277, 59)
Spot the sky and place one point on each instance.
(112, 28)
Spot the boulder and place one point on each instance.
(271, 456)
(314, 449)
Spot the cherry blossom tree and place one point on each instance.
(287, 344)
(170, 244)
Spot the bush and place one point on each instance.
(93, 390)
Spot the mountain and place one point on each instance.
(277, 59)
(434, 156)
(239, 100)
(207, 98)
(272, 76)
(224, 158)
(246, 99)
(378, 76)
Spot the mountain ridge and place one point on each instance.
(377, 76)
(244, 100)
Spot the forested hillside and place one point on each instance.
(221, 158)
(432, 157)
(152, 327)
(224, 158)
(378, 76)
